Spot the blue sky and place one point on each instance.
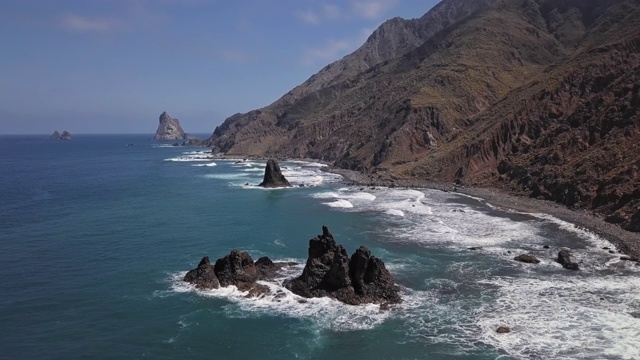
(112, 66)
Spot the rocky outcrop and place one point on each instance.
(235, 269)
(330, 272)
(503, 330)
(203, 276)
(57, 136)
(526, 258)
(273, 177)
(169, 129)
(564, 258)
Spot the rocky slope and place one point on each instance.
(538, 97)
(169, 129)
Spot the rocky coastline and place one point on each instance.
(328, 272)
(627, 243)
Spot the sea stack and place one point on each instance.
(329, 271)
(273, 177)
(57, 136)
(169, 129)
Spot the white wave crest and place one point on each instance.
(325, 312)
(341, 203)
(209, 164)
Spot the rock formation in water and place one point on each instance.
(273, 176)
(237, 269)
(329, 271)
(169, 129)
(203, 276)
(564, 258)
(538, 97)
(57, 136)
(526, 258)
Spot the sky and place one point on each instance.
(113, 66)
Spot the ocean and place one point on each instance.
(97, 232)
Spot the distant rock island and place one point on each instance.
(57, 136)
(170, 129)
(329, 272)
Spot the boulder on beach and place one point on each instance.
(329, 271)
(564, 258)
(273, 177)
(526, 258)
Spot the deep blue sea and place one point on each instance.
(97, 232)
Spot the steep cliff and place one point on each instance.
(536, 96)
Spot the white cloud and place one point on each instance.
(332, 12)
(308, 16)
(325, 11)
(372, 9)
(329, 51)
(80, 23)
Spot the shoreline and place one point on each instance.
(625, 242)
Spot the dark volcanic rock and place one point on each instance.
(273, 176)
(203, 276)
(55, 136)
(330, 272)
(370, 278)
(503, 330)
(237, 268)
(267, 269)
(526, 258)
(628, 258)
(564, 258)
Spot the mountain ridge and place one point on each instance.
(531, 96)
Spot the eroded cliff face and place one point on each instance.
(539, 97)
(169, 129)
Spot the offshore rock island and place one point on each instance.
(57, 136)
(539, 98)
(169, 129)
(328, 272)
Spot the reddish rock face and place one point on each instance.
(469, 93)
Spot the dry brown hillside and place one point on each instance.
(537, 96)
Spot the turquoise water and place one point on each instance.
(95, 236)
